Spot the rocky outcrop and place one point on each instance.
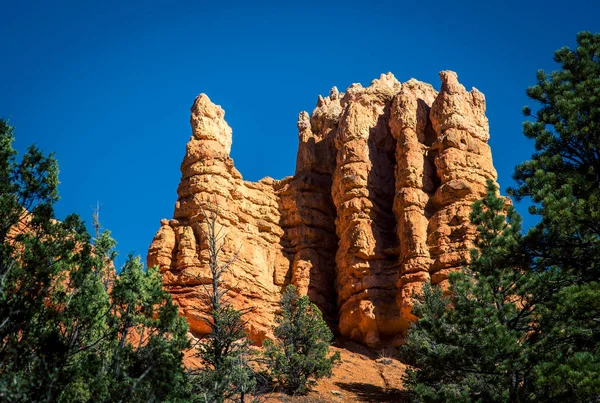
(249, 214)
(379, 204)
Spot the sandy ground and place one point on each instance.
(363, 376)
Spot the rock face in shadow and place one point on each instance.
(379, 204)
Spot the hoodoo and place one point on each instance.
(379, 204)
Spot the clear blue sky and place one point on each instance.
(108, 85)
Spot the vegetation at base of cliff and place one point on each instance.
(301, 350)
(474, 350)
(521, 323)
(70, 330)
(225, 373)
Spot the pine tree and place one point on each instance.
(563, 180)
(472, 344)
(224, 351)
(148, 338)
(63, 336)
(521, 323)
(301, 351)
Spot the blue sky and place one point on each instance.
(108, 85)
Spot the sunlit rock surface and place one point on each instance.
(379, 204)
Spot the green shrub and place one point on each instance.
(302, 347)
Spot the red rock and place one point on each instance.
(378, 205)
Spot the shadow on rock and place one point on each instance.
(373, 394)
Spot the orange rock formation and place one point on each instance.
(379, 204)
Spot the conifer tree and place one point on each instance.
(472, 345)
(562, 179)
(224, 352)
(521, 323)
(63, 336)
(301, 350)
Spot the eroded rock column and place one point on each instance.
(463, 162)
(363, 193)
(415, 183)
(248, 214)
(308, 212)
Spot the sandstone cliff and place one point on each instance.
(379, 204)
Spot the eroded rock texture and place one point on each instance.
(379, 204)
